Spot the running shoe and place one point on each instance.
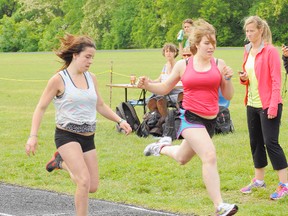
(226, 209)
(281, 191)
(253, 184)
(55, 162)
(155, 148)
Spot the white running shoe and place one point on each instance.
(155, 148)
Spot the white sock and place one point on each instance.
(260, 182)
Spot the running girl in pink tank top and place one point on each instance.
(201, 80)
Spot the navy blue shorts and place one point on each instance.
(63, 137)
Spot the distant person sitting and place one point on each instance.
(160, 102)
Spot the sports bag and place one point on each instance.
(127, 112)
(171, 124)
(151, 124)
(223, 121)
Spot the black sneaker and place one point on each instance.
(55, 162)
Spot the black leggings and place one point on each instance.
(264, 134)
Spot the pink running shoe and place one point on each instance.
(253, 184)
(281, 191)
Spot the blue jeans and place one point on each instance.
(264, 134)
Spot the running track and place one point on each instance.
(21, 201)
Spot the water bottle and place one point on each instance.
(180, 35)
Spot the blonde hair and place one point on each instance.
(200, 29)
(260, 24)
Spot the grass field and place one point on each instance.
(126, 176)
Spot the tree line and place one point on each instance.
(36, 25)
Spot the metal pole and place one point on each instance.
(111, 76)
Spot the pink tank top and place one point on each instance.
(201, 89)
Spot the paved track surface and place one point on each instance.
(21, 201)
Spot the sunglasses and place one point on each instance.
(186, 55)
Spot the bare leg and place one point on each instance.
(259, 173)
(152, 104)
(201, 144)
(282, 174)
(162, 107)
(73, 156)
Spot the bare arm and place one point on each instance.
(165, 87)
(107, 112)
(227, 88)
(52, 89)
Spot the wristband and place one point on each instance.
(32, 135)
(227, 78)
(120, 121)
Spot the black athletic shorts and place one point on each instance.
(63, 137)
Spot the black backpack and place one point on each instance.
(127, 112)
(224, 123)
(151, 124)
(171, 124)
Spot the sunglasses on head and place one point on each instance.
(186, 55)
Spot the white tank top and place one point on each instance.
(76, 108)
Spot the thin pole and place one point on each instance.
(111, 76)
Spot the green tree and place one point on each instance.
(96, 21)
(8, 7)
(119, 36)
(275, 12)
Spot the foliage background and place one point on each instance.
(35, 25)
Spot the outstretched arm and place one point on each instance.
(107, 112)
(165, 87)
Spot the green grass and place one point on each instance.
(126, 176)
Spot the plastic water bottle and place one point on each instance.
(180, 35)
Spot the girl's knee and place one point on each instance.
(210, 157)
(83, 182)
(182, 160)
(93, 187)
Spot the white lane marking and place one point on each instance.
(2, 214)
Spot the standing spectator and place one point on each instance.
(262, 77)
(201, 79)
(75, 94)
(183, 34)
(285, 57)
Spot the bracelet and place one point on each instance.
(32, 135)
(227, 78)
(120, 121)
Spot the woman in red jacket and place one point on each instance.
(262, 78)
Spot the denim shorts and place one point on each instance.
(191, 120)
(63, 137)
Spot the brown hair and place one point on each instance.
(200, 29)
(260, 24)
(171, 47)
(71, 44)
(190, 21)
